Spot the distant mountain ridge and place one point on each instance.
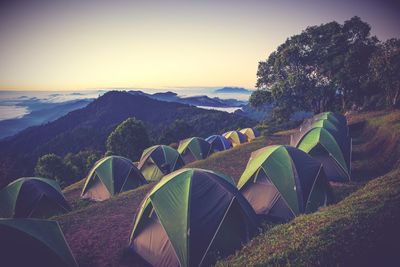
(201, 100)
(233, 90)
(89, 127)
(47, 112)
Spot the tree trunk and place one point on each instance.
(396, 98)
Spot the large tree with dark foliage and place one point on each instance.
(320, 69)
(129, 139)
(176, 132)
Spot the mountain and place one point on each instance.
(201, 100)
(233, 90)
(89, 127)
(40, 113)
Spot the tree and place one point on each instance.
(318, 70)
(81, 163)
(129, 139)
(385, 71)
(175, 132)
(52, 166)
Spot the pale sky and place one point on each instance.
(76, 45)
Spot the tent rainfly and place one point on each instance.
(193, 149)
(110, 176)
(32, 197)
(339, 132)
(338, 120)
(33, 242)
(235, 137)
(250, 133)
(191, 217)
(218, 143)
(159, 160)
(281, 182)
(323, 146)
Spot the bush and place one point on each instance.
(129, 139)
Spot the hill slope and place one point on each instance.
(352, 232)
(361, 230)
(88, 128)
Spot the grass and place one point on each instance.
(98, 234)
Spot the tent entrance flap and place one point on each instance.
(98, 191)
(153, 245)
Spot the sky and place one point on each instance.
(80, 45)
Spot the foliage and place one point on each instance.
(52, 166)
(66, 170)
(318, 70)
(129, 139)
(175, 132)
(80, 164)
(385, 71)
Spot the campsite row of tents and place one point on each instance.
(114, 174)
(40, 197)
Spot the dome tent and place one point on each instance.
(193, 149)
(32, 197)
(338, 132)
(159, 160)
(323, 146)
(218, 143)
(250, 133)
(235, 137)
(334, 117)
(110, 176)
(282, 182)
(337, 120)
(191, 217)
(33, 242)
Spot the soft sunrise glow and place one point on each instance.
(49, 45)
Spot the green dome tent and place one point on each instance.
(336, 119)
(191, 217)
(323, 146)
(332, 116)
(157, 161)
(110, 176)
(33, 242)
(282, 182)
(32, 197)
(339, 132)
(193, 149)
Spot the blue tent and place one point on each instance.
(218, 143)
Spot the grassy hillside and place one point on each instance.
(353, 231)
(360, 230)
